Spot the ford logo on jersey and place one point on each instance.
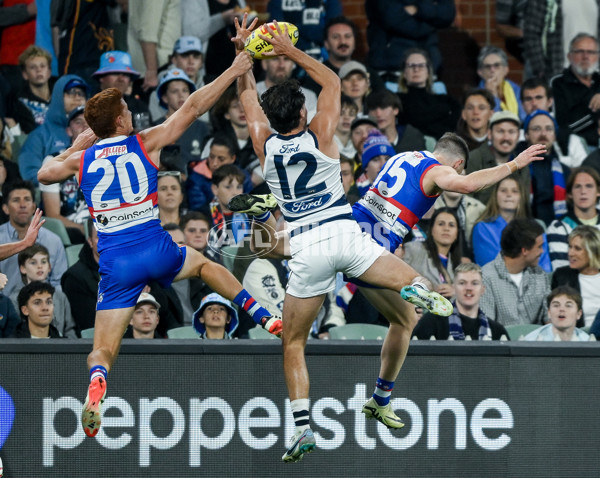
(308, 204)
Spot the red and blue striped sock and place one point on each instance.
(252, 308)
(383, 390)
(98, 371)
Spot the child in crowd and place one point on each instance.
(37, 310)
(34, 265)
(216, 318)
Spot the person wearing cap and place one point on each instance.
(51, 138)
(65, 201)
(215, 319)
(116, 71)
(503, 137)
(355, 83)
(375, 153)
(548, 177)
(279, 69)
(145, 319)
(174, 88)
(384, 107)
(187, 56)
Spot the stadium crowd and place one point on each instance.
(520, 259)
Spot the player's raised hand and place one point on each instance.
(242, 32)
(34, 227)
(281, 41)
(535, 152)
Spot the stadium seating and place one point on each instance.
(187, 332)
(58, 228)
(260, 334)
(515, 332)
(73, 253)
(87, 333)
(358, 332)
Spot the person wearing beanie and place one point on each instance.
(376, 151)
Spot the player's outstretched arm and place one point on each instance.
(12, 248)
(446, 178)
(66, 164)
(196, 105)
(258, 124)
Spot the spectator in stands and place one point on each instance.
(503, 137)
(548, 29)
(68, 93)
(431, 113)
(510, 18)
(116, 71)
(359, 131)
(340, 37)
(467, 319)
(509, 200)
(9, 172)
(376, 151)
(64, 201)
(347, 168)
(515, 286)
(174, 88)
(187, 56)
(548, 176)
(18, 32)
(9, 318)
(196, 227)
(437, 257)
(229, 227)
(564, 311)
(152, 30)
(348, 114)
(34, 265)
(228, 117)
(144, 319)
(477, 109)
(83, 33)
(356, 83)
(394, 26)
(492, 68)
(577, 89)
(80, 281)
(537, 95)
(29, 104)
(384, 107)
(18, 204)
(279, 69)
(593, 159)
(467, 209)
(170, 197)
(199, 183)
(583, 271)
(311, 18)
(216, 318)
(37, 310)
(583, 193)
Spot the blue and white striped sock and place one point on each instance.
(300, 412)
(383, 390)
(98, 371)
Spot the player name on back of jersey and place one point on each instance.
(110, 151)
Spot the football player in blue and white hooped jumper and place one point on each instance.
(118, 177)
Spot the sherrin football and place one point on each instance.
(256, 46)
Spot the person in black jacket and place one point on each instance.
(37, 311)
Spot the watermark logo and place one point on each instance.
(7, 416)
(236, 240)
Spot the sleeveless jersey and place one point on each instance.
(305, 182)
(396, 199)
(119, 183)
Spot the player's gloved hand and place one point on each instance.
(273, 325)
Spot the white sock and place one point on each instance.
(300, 409)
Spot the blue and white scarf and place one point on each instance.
(456, 328)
